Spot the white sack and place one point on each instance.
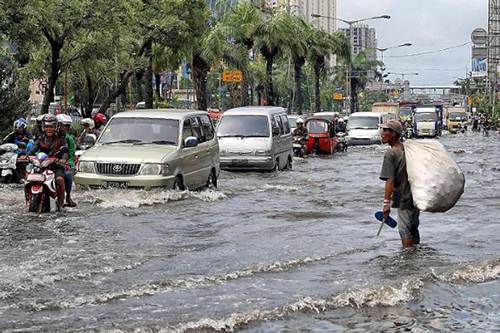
(436, 180)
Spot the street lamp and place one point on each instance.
(350, 23)
(382, 50)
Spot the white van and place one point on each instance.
(425, 122)
(364, 128)
(255, 138)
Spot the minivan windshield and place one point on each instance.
(363, 123)
(243, 126)
(141, 131)
(425, 116)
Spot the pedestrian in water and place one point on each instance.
(397, 187)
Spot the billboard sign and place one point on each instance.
(479, 68)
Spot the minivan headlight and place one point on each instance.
(151, 169)
(86, 167)
(262, 152)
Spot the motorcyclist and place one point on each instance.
(64, 121)
(88, 128)
(20, 136)
(100, 121)
(37, 128)
(341, 126)
(55, 146)
(301, 130)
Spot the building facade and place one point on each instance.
(363, 38)
(305, 9)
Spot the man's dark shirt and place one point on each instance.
(394, 166)
(302, 132)
(54, 147)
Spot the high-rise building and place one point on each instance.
(364, 39)
(305, 8)
(493, 39)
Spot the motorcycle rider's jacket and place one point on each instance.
(340, 128)
(302, 132)
(71, 150)
(81, 138)
(23, 141)
(56, 146)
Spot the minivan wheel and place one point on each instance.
(212, 180)
(277, 165)
(178, 184)
(289, 163)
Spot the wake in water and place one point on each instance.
(405, 292)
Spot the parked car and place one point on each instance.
(153, 148)
(255, 138)
(364, 128)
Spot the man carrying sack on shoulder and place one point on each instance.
(397, 187)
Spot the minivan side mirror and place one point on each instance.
(190, 142)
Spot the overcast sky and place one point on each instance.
(428, 25)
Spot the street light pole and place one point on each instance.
(350, 23)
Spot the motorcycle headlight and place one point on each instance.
(151, 169)
(86, 167)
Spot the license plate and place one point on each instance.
(239, 162)
(116, 184)
(35, 177)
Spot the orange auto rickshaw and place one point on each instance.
(321, 137)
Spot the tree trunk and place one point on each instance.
(245, 98)
(317, 96)
(297, 98)
(139, 96)
(89, 103)
(268, 84)
(148, 76)
(157, 86)
(55, 66)
(200, 72)
(354, 96)
(119, 90)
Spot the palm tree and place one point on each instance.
(273, 35)
(360, 67)
(322, 45)
(298, 52)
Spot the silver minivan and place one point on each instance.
(175, 149)
(255, 138)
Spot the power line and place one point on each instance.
(429, 52)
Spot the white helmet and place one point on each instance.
(89, 122)
(341, 120)
(64, 119)
(346, 118)
(300, 120)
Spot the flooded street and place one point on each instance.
(292, 251)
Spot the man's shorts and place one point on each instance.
(408, 224)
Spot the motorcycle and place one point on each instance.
(463, 128)
(8, 162)
(299, 146)
(40, 186)
(88, 141)
(341, 142)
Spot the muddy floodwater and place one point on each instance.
(282, 252)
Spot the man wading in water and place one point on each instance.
(397, 187)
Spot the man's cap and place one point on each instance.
(393, 125)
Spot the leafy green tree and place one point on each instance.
(13, 92)
(59, 31)
(322, 45)
(360, 67)
(273, 35)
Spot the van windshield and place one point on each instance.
(425, 116)
(457, 116)
(243, 126)
(405, 112)
(141, 131)
(363, 123)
